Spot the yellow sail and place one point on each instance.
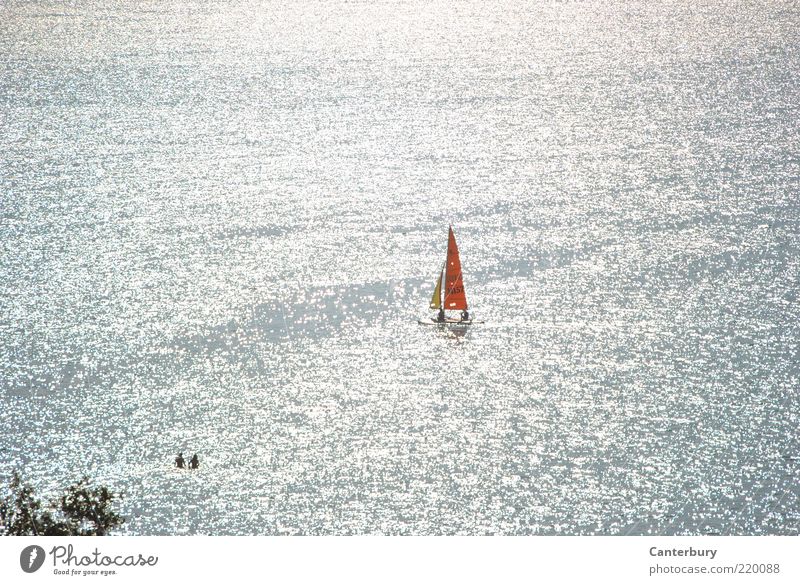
(436, 299)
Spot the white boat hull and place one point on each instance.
(448, 322)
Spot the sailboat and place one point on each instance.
(451, 296)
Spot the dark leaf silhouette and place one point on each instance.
(82, 511)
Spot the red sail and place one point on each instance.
(454, 296)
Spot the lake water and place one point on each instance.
(220, 222)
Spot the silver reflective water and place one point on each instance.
(221, 221)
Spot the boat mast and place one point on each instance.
(447, 255)
(441, 288)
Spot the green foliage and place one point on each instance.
(88, 511)
(82, 511)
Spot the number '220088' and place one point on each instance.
(758, 568)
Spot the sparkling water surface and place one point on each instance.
(220, 222)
